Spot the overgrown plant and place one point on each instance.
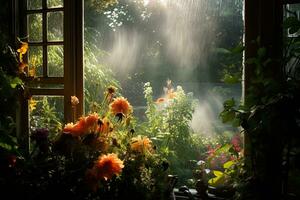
(168, 125)
(99, 156)
(270, 119)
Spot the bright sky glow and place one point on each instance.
(162, 2)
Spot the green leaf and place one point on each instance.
(5, 146)
(224, 148)
(227, 116)
(228, 164)
(238, 49)
(229, 103)
(230, 79)
(222, 51)
(292, 23)
(218, 180)
(218, 173)
(15, 81)
(261, 52)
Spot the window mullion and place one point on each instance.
(73, 50)
(45, 59)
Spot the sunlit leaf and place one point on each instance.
(228, 164)
(218, 180)
(218, 173)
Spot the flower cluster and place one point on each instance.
(113, 154)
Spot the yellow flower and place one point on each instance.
(108, 165)
(32, 105)
(32, 72)
(120, 105)
(22, 50)
(141, 144)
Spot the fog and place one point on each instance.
(168, 39)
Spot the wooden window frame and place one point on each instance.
(72, 80)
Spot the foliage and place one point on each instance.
(97, 76)
(10, 84)
(269, 116)
(43, 115)
(100, 156)
(231, 65)
(168, 125)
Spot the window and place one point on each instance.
(54, 71)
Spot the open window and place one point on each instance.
(54, 70)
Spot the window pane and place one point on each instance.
(55, 61)
(55, 26)
(35, 61)
(34, 4)
(34, 24)
(55, 3)
(46, 112)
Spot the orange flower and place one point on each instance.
(83, 126)
(108, 165)
(22, 66)
(141, 144)
(75, 129)
(171, 94)
(104, 126)
(120, 105)
(160, 100)
(91, 122)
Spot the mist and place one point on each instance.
(168, 39)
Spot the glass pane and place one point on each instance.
(34, 4)
(35, 30)
(55, 3)
(35, 61)
(55, 26)
(56, 61)
(46, 112)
